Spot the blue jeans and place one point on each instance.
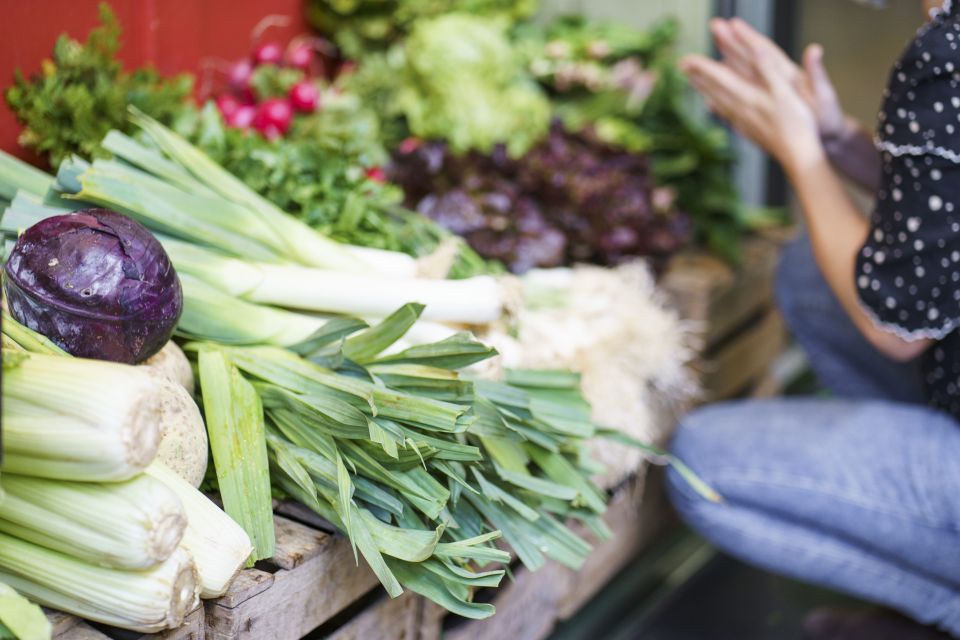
(859, 493)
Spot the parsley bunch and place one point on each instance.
(83, 92)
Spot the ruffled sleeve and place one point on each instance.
(908, 270)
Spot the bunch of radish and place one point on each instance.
(242, 108)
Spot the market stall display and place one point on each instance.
(369, 365)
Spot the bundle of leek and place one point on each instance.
(419, 466)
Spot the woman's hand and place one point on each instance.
(765, 95)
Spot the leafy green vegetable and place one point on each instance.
(362, 26)
(455, 77)
(83, 92)
(317, 173)
(623, 84)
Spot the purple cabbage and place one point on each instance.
(96, 283)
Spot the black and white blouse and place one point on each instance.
(908, 271)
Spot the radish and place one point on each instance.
(268, 53)
(304, 96)
(242, 117)
(273, 118)
(228, 105)
(239, 77)
(300, 56)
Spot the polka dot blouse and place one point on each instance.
(908, 271)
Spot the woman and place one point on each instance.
(861, 492)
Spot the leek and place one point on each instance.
(20, 618)
(477, 300)
(125, 525)
(305, 245)
(77, 419)
(219, 546)
(147, 600)
(16, 174)
(211, 314)
(237, 442)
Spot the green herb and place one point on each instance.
(83, 92)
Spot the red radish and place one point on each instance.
(376, 174)
(228, 106)
(273, 117)
(300, 56)
(239, 77)
(304, 96)
(242, 117)
(268, 53)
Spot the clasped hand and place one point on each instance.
(769, 99)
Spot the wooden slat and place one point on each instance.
(296, 543)
(633, 519)
(247, 584)
(387, 619)
(60, 622)
(746, 359)
(531, 606)
(323, 580)
(431, 620)
(526, 607)
(81, 631)
(716, 297)
(69, 627)
(193, 628)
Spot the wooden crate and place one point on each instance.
(313, 588)
(309, 582)
(733, 312)
(68, 627)
(531, 605)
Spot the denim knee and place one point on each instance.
(696, 443)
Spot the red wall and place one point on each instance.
(173, 35)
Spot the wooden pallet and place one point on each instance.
(734, 314)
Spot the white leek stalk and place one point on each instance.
(125, 525)
(219, 546)
(79, 419)
(476, 300)
(390, 262)
(147, 600)
(211, 314)
(471, 301)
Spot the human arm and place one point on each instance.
(759, 95)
